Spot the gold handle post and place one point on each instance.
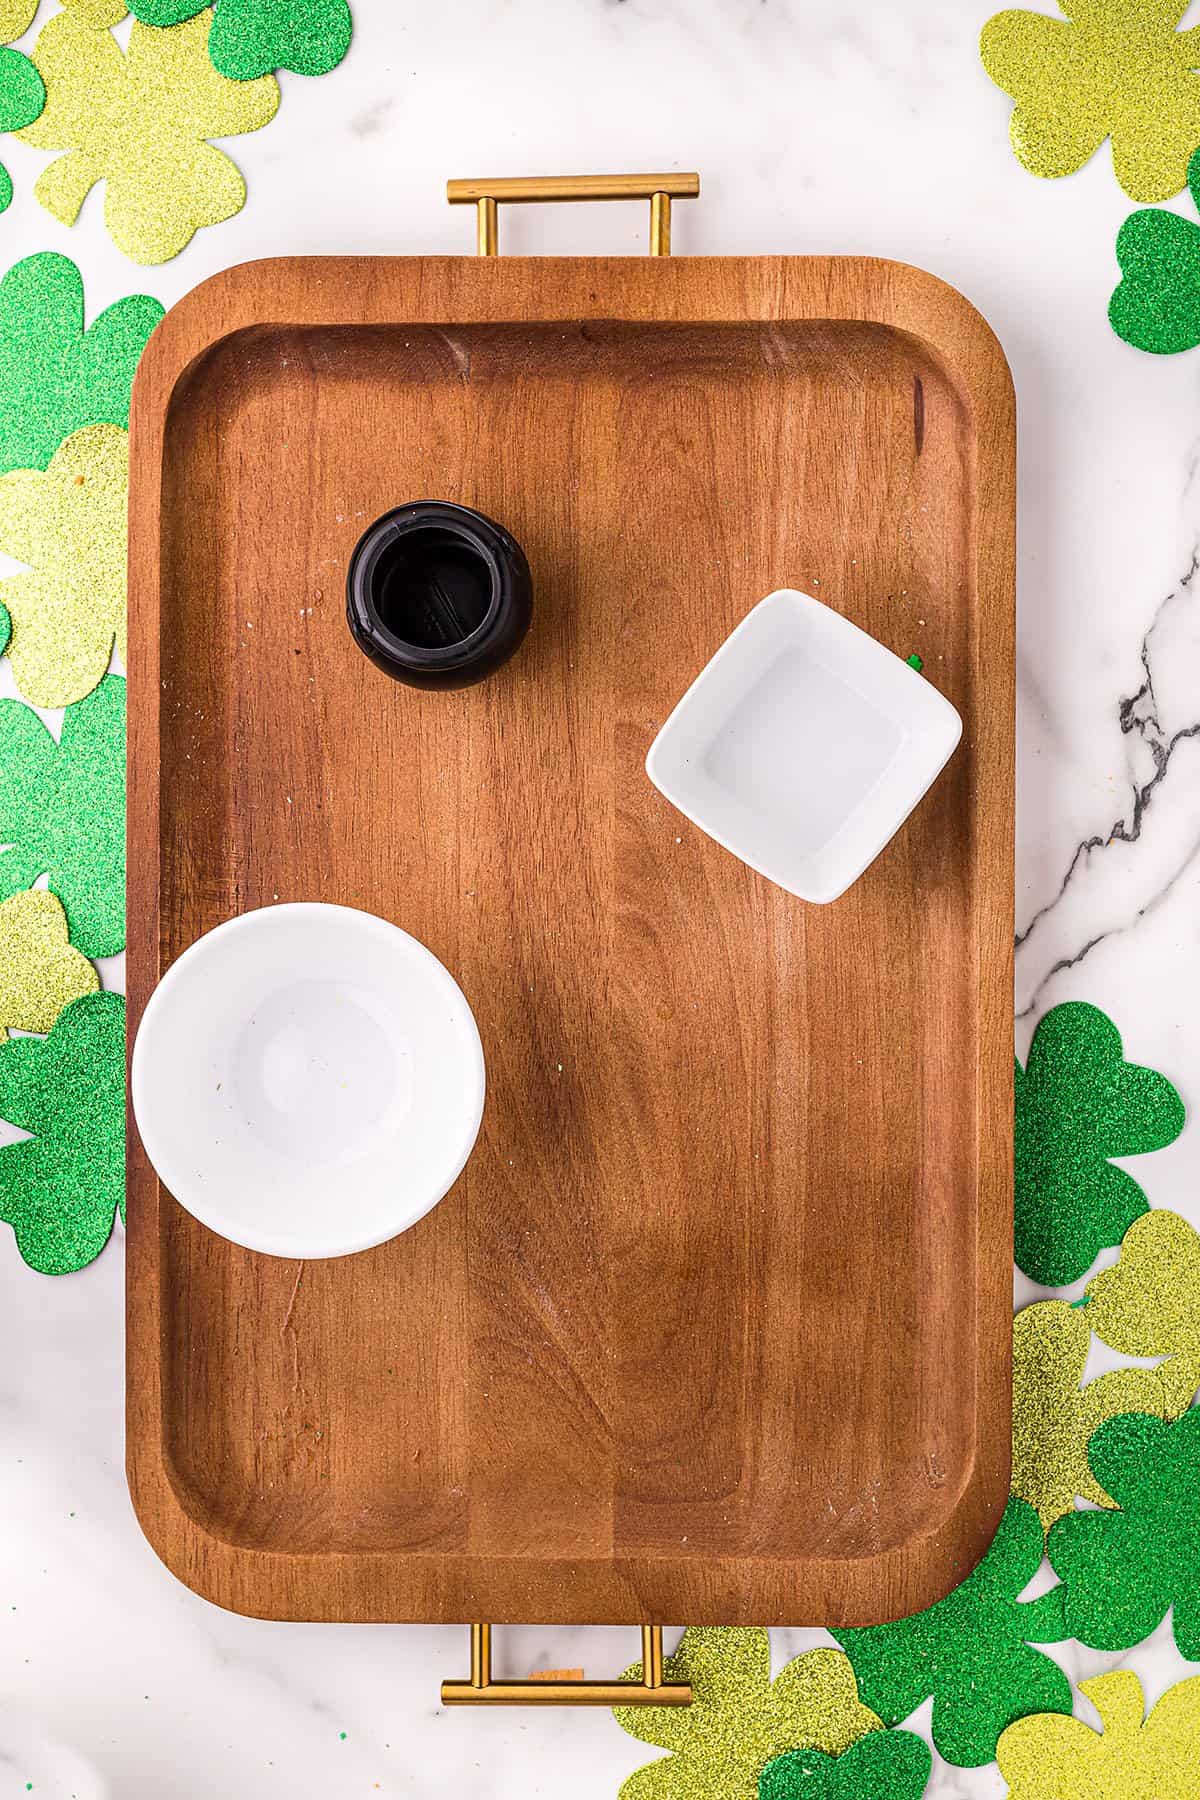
(486, 195)
(481, 1690)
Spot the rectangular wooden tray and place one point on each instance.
(715, 1326)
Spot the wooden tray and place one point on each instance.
(715, 1327)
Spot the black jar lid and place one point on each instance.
(438, 595)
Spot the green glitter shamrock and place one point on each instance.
(1156, 305)
(22, 97)
(60, 1188)
(55, 377)
(1111, 68)
(5, 629)
(62, 812)
(1121, 1570)
(255, 37)
(971, 1651)
(739, 1720)
(1078, 1104)
(884, 1765)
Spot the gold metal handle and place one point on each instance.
(485, 196)
(481, 1690)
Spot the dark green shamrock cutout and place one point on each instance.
(1157, 304)
(55, 377)
(254, 37)
(971, 1651)
(884, 1765)
(1121, 1570)
(1078, 1104)
(60, 1188)
(62, 812)
(22, 98)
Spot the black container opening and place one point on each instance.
(431, 589)
(437, 595)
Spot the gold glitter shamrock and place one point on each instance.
(1053, 1418)
(1148, 1303)
(1051, 1758)
(138, 121)
(40, 973)
(97, 13)
(739, 1720)
(69, 525)
(1111, 68)
(16, 16)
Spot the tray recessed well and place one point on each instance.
(715, 1325)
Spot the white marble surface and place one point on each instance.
(817, 127)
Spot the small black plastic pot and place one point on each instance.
(438, 595)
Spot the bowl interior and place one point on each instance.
(308, 1080)
(803, 745)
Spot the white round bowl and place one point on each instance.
(308, 1080)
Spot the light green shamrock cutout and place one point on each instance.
(739, 1720)
(69, 523)
(1110, 68)
(139, 120)
(40, 969)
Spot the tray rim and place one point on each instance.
(454, 291)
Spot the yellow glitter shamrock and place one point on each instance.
(1053, 1418)
(97, 13)
(1047, 1757)
(1148, 1303)
(739, 1720)
(40, 972)
(16, 16)
(1111, 68)
(138, 120)
(69, 525)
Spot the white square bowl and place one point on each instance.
(803, 745)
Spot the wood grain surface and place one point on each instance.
(715, 1326)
